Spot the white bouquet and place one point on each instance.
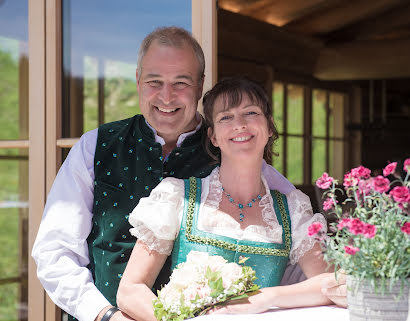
(199, 284)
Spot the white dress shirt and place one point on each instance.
(61, 251)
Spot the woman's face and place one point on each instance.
(241, 131)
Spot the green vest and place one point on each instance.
(128, 164)
(269, 260)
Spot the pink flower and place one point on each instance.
(381, 184)
(369, 230)
(351, 250)
(356, 226)
(325, 181)
(344, 223)
(314, 228)
(389, 169)
(361, 172)
(350, 180)
(365, 186)
(406, 165)
(328, 204)
(400, 194)
(406, 228)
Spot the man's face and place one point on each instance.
(169, 89)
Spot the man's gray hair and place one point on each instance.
(174, 37)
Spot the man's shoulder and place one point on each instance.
(118, 123)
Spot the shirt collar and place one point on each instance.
(181, 138)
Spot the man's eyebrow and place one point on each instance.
(152, 75)
(187, 77)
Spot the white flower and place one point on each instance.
(231, 272)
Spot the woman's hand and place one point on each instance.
(254, 303)
(335, 289)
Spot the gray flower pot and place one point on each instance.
(365, 304)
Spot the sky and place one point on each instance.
(106, 29)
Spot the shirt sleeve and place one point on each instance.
(301, 216)
(60, 249)
(157, 218)
(275, 180)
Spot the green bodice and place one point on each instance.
(269, 260)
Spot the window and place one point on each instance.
(310, 123)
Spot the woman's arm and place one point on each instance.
(303, 294)
(134, 296)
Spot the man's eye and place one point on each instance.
(180, 85)
(154, 83)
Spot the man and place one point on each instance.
(83, 243)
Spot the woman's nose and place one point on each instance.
(240, 122)
(166, 94)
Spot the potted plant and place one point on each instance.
(370, 239)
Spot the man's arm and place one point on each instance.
(60, 249)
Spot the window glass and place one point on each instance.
(319, 113)
(294, 160)
(100, 48)
(13, 70)
(13, 163)
(278, 149)
(13, 233)
(336, 112)
(318, 158)
(295, 110)
(277, 104)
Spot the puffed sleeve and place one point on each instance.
(301, 215)
(157, 218)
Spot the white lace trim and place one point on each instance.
(144, 234)
(302, 216)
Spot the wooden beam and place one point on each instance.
(380, 24)
(281, 12)
(247, 39)
(339, 16)
(364, 60)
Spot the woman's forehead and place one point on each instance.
(228, 101)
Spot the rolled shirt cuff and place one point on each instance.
(91, 304)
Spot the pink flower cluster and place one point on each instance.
(406, 165)
(406, 228)
(328, 204)
(314, 228)
(401, 195)
(353, 177)
(357, 227)
(351, 250)
(325, 181)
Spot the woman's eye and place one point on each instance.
(226, 117)
(251, 113)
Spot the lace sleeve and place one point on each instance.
(157, 218)
(302, 216)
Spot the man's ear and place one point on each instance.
(212, 137)
(137, 81)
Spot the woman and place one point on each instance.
(232, 206)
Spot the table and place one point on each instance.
(322, 313)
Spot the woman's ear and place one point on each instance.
(212, 137)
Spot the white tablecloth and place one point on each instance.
(323, 313)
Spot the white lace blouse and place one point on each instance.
(157, 218)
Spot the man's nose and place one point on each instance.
(167, 93)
